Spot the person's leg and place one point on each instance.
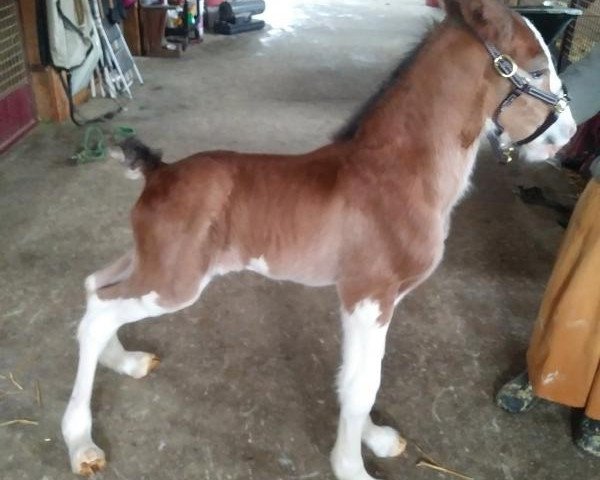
(564, 350)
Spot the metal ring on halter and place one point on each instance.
(508, 59)
(562, 104)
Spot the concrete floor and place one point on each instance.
(245, 390)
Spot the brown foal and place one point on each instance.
(368, 213)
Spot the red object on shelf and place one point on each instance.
(214, 3)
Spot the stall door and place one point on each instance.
(16, 98)
(582, 34)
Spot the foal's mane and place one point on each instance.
(348, 131)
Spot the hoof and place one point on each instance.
(89, 461)
(384, 442)
(154, 363)
(140, 364)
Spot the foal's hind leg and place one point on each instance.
(114, 356)
(116, 272)
(134, 364)
(364, 331)
(97, 329)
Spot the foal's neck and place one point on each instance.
(440, 104)
(429, 122)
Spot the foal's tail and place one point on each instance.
(138, 157)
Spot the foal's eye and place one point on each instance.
(538, 73)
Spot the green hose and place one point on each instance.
(94, 147)
(123, 132)
(94, 143)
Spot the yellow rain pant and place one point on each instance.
(563, 359)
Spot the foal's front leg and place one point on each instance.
(364, 332)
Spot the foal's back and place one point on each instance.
(315, 217)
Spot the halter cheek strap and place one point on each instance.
(507, 68)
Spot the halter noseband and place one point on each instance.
(507, 68)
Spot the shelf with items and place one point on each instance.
(184, 23)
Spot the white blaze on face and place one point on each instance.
(555, 137)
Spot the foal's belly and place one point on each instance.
(315, 270)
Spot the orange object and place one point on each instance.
(564, 353)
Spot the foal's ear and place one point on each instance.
(489, 19)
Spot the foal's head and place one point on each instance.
(532, 108)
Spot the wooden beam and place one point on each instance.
(132, 30)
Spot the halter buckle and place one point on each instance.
(561, 105)
(508, 154)
(499, 60)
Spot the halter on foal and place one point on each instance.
(368, 213)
